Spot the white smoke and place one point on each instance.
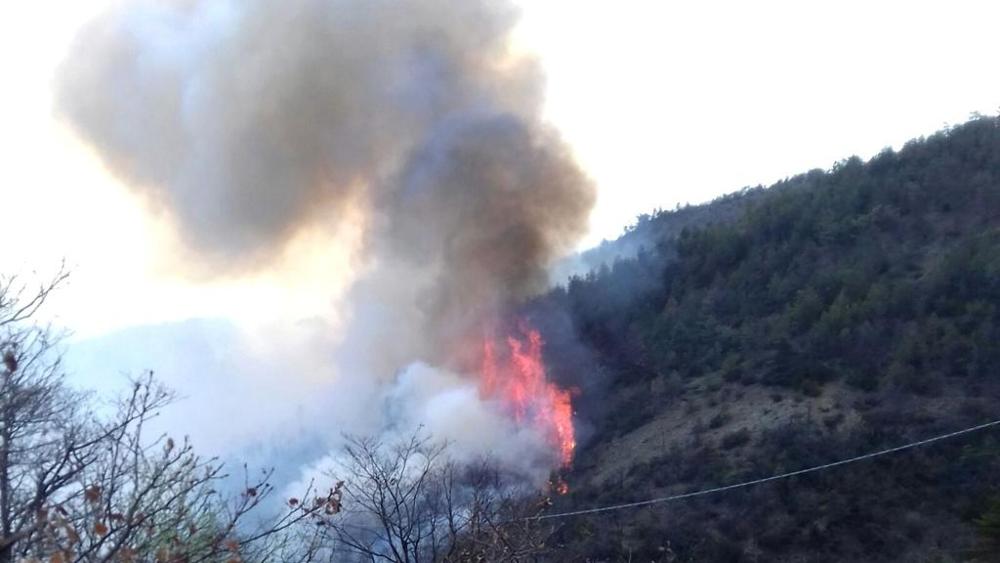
(249, 122)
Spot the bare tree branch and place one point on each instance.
(408, 502)
(75, 486)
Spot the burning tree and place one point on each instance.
(516, 376)
(75, 486)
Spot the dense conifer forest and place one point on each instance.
(834, 313)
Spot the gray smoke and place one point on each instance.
(247, 121)
(485, 205)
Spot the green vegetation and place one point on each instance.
(868, 295)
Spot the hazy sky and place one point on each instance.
(663, 103)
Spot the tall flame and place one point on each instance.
(516, 377)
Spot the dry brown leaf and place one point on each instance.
(92, 494)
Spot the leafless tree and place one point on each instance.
(495, 515)
(78, 486)
(408, 502)
(42, 447)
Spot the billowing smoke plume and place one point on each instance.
(248, 121)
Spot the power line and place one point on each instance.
(813, 469)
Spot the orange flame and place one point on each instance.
(518, 380)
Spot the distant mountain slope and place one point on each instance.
(657, 228)
(834, 313)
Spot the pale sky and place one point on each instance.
(663, 103)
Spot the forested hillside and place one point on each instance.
(832, 314)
